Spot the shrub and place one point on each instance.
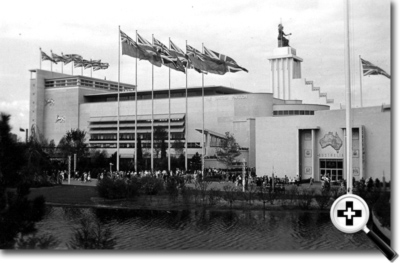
(305, 198)
(151, 185)
(292, 192)
(186, 193)
(92, 236)
(377, 183)
(171, 186)
(263, 195)
(229, 194)
(323, 199)
(213, 196)
(133, 186)
(202, 188)
(382, 209)
(37, 242)
(112, 189)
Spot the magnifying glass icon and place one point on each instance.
(350, 214)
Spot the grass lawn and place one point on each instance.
(66, 194)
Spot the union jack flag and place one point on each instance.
(126, 39)
(100, 66)
(177, 52)
(96, 62)
(167, 58)
(56, 57)
(190, 51)
(231, 64)
(149, 51)
(148, 46)
(87, 63)
(47, 57)
(67, 59)
(160, 46)
(78, 64)
(371, 69)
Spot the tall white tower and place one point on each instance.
(285, 66)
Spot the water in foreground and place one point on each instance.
(207, 230)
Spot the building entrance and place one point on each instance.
(331, 167)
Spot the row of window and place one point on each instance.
(293, 112)
(131, 136)
(144, 145)
(83, 83)
(139, 121)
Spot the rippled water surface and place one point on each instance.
(207, 230)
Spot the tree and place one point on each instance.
(74, 142)
(139, 149)
(11, 154)
(160, 136)
(178, 145)
(17, 213)
(229, 150)
(196, 162)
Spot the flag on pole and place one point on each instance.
(167, 58)
(78, 63)
(67, 59)
(177, 52)
(100, 66)
(56, 57)
(231, 64)
(87, 63)
(72, 57)
(149, 51)
(371, 69)
(96, 62)
(130, 47)
(46, 57)
(204, 62)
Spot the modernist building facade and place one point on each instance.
(276, 131)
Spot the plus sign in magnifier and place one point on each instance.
(350, 214)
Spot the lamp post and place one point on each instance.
(26, 133)
(111, 164)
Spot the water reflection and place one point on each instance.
(208, 230)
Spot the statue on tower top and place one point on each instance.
(282, 41)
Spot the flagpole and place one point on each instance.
(136, 113)
(169, 114)
(152, 111)
(119, 77)
(72, 67)
(202, 107)
(186, 117)
(40, 58)
(361, 74)
(349, 129)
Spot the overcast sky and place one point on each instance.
(245, 30)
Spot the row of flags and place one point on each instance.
(77, 59)
(173, 57)
(371, 69)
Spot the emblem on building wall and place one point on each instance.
(49, 102)
(332, 140)
(60, 119)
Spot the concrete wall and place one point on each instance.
(37, 114)
(277, 141)
(221, 114)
